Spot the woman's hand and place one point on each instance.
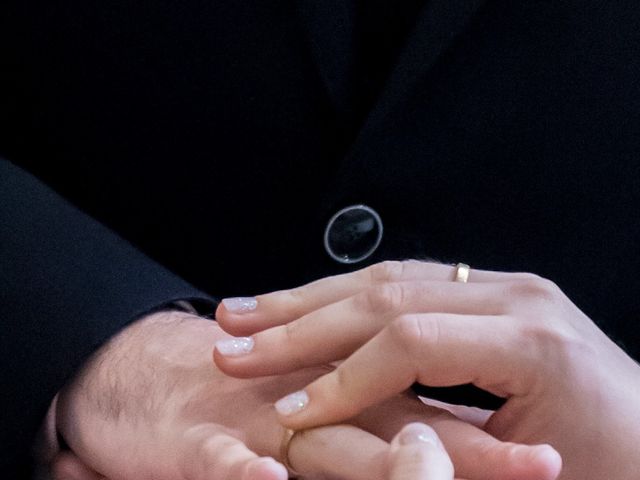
(514, 335)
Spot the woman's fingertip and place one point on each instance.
(240, 305)
(235, 346)
(292, 403)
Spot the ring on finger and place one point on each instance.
(287, 438)
(461, 273)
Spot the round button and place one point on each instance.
(353, 234)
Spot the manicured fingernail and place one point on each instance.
(417, 433)
(235, 347)
(292, 403)
(240, 304)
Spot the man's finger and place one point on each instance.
(335, 331)
(417, 454)
(211, 454)
(476, 454)
(480, 456)
(339, 451)
(243, 317)
(433, 349)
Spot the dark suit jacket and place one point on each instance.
(202, 146)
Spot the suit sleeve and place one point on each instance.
(67, 284)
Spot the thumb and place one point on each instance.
(417, 454)
(213, 454)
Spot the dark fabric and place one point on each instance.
(380, 29)
(214, 137)
(67, 285)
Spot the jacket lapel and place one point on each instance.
(439, 24)
(330, 28)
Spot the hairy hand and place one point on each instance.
(150, 405)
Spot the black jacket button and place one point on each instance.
(353, 234)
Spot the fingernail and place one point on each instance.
(234, 347)
(240, 304)
(292, 403)
(417, 433)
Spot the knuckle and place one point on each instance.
(387, 297)
(222, 458)
(387, 271)
(551, 344)
(293, 338)
(344, 381)
(411, 332)
(535, 288)
(298, 294)
(211, 447)
(552, 335)
(291, 331)
(295, 301)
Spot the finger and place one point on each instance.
(417, 454)
(435, 349)
(281, 307)
(338, 451)
(480, 456)
(476, 454)
(68, 466)
(211, 454)
(335, 331)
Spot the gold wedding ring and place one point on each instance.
(287, 438)
(462, 273)
(288, 435)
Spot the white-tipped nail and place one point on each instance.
(292, 403)
(240, 304)
(235, 347)
(418, 433)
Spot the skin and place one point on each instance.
(149, 405)
(515, 335)
(416, 453)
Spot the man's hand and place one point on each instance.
(149, 405)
